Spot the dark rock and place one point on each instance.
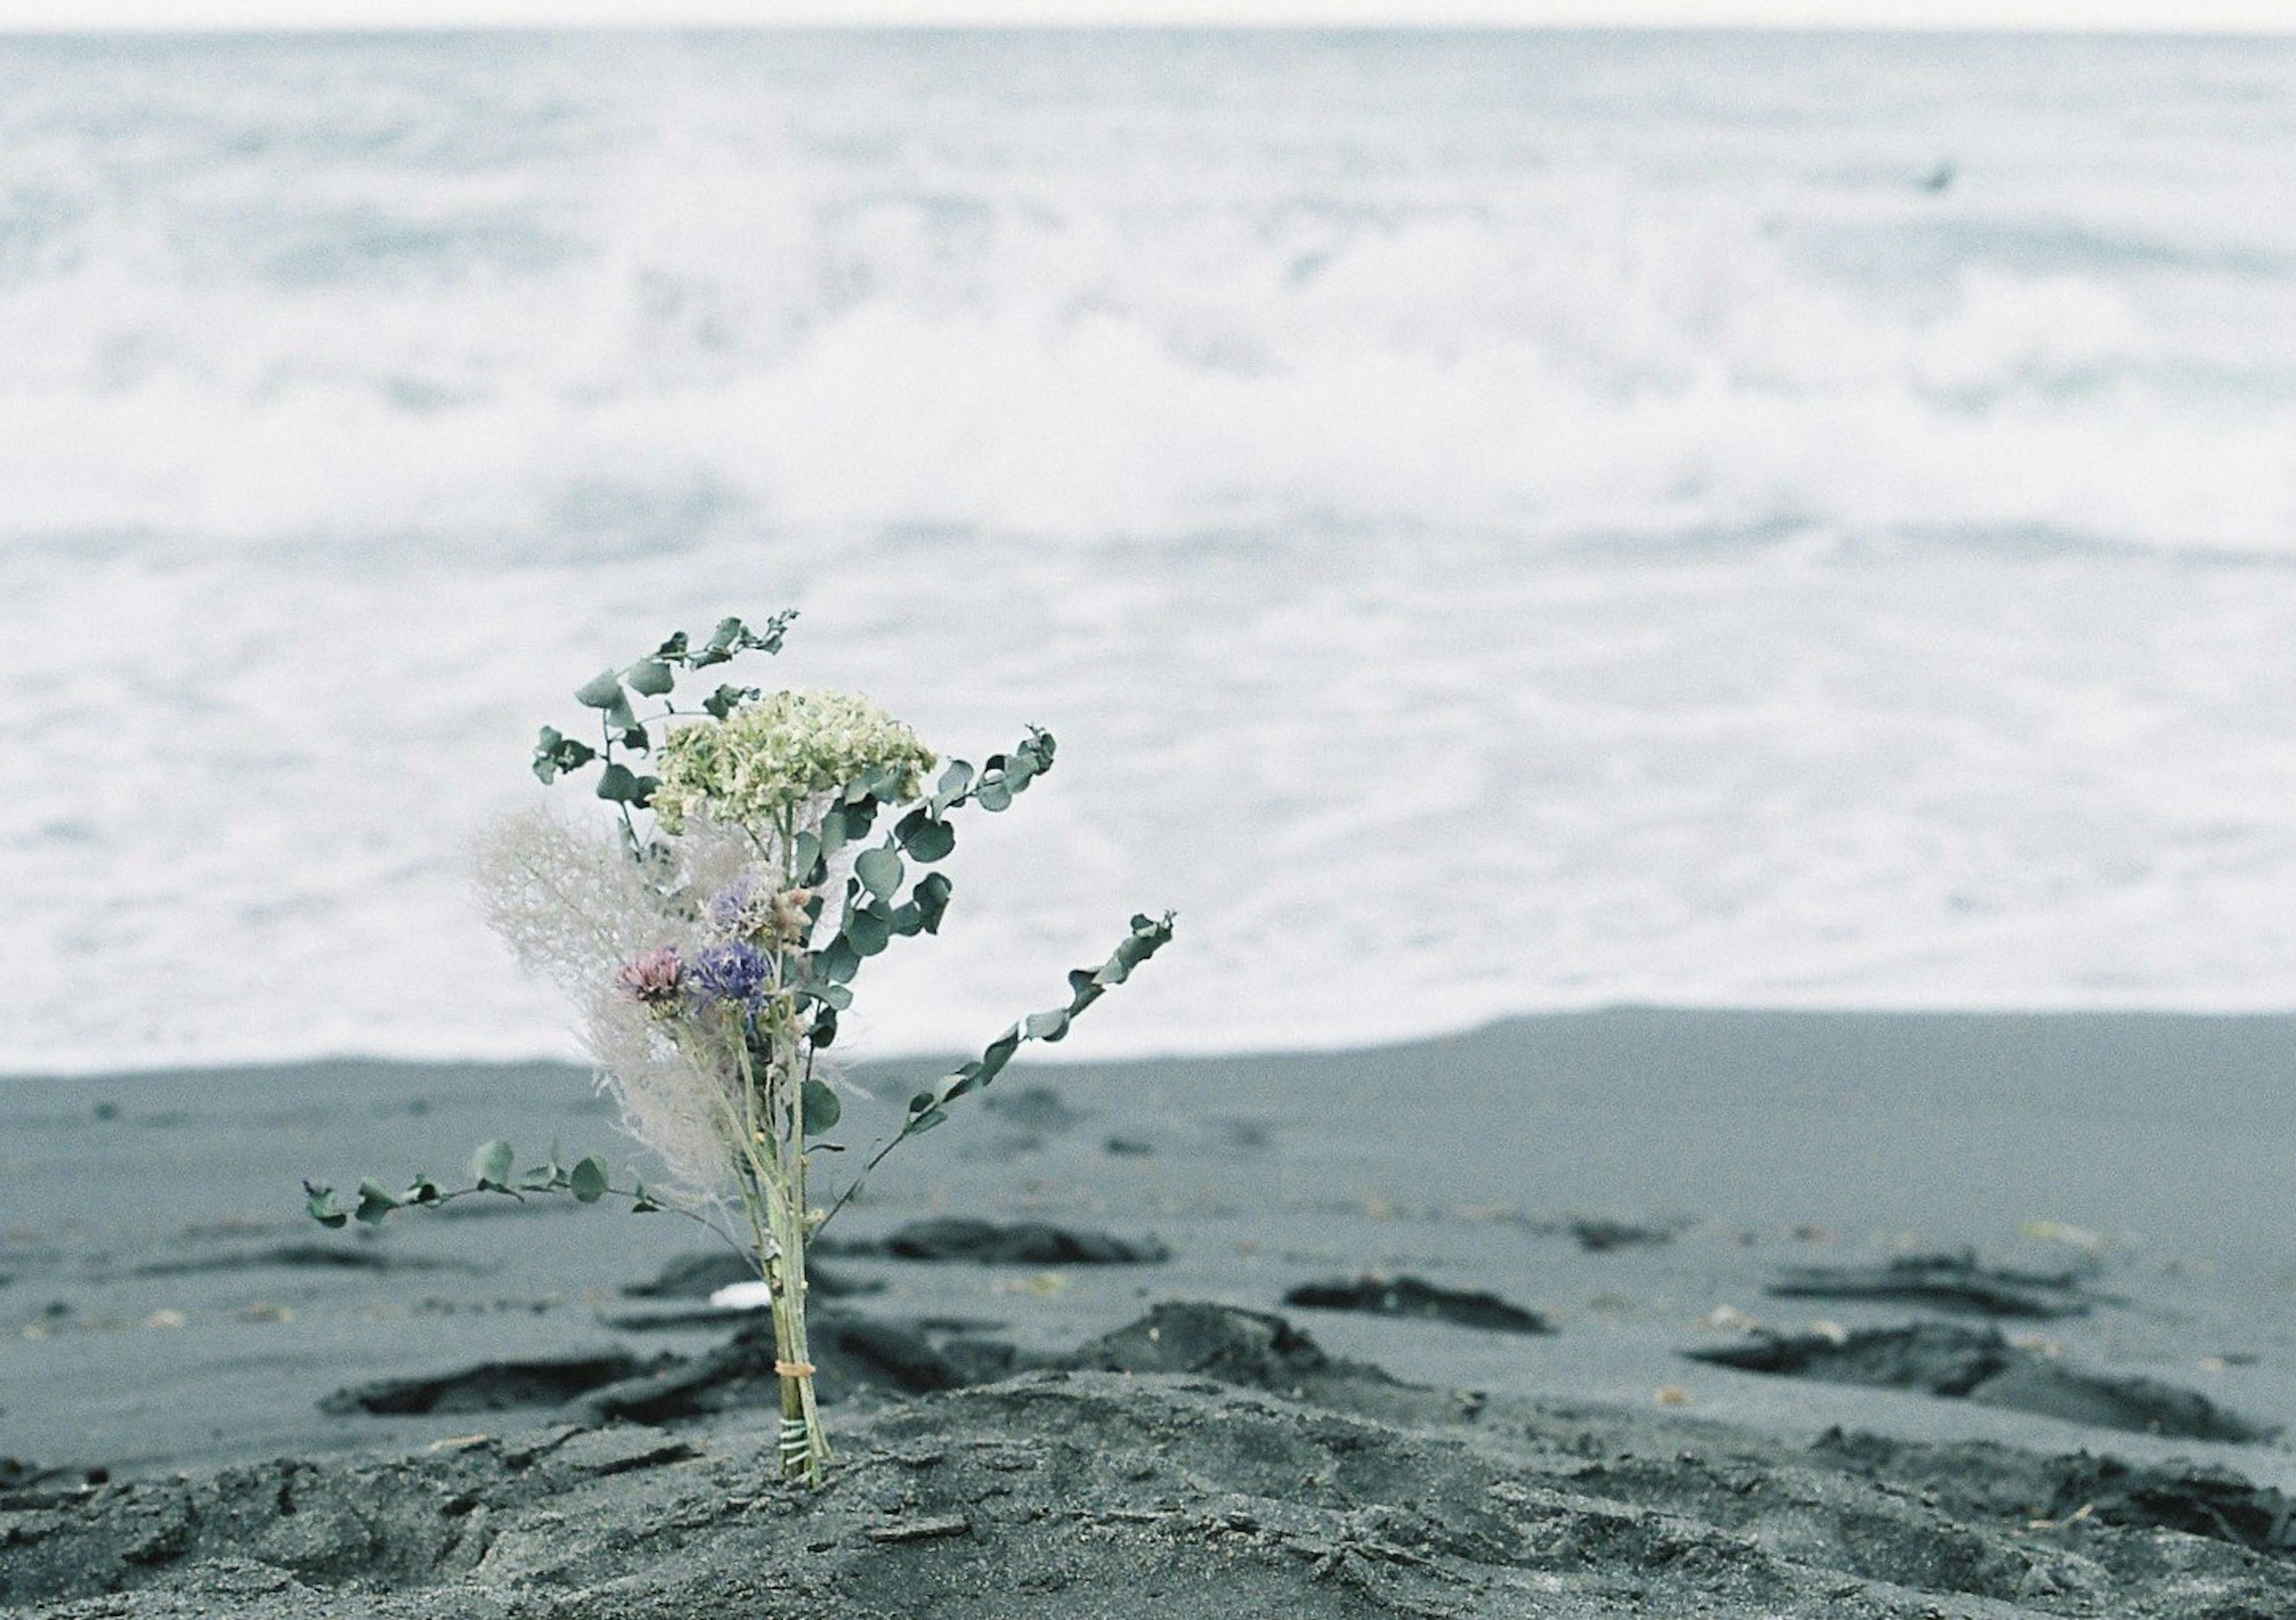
(490, 1386)
(699, 1275)
(1038, 1109)
(2214, 1502)
(1127, 1148)
(1026, 1243)
(26, 1486)
(850, 1355)
(1952, 1282)
(1978, 1364)
(1412, 1296)
(1251, 1347)
(302, 1256)
(1596, 1235)
(693, 1277)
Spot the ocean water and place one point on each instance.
(1497, 522)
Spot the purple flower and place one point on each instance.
(729, 973)
(655, 980)
(733, 909)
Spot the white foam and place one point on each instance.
(1534, 545)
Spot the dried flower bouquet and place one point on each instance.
(712, 945)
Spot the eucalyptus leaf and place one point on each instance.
(619, 783)
(999, 1052)
(602, 690)
(1047, 1026)
(879, 871)
(930, 898)
(837, 996)
(373, 1203)
(993, 795)
(587, 1179)
(955, 780)
(838, 961)
(490, 1165)
(820, 1107)
(650, 678)
(925, 837)
(869, 932)
(725, 700)
(319, 1203)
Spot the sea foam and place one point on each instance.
(1497, 521)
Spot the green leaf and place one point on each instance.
(541, 1179)
(839, 961)
(869, 932)
(1047, 1026)
(824, 1032)
(674, 648)
(619, 783)
(490, 1165)
(642, 1202)
(422, 1191)
(832, 834)
(650, 678)
(954, 780)
(602, 690)
(805, 851)
(919, 1124)
(925, 838)
(906, 921)
(554, 752)
(998, 1053)
(319, 1203)
(374, 1203)
(725, 700)
(837, 996)
(923, 1100)
(993, 795)
(820, 1107)
(930, 898)
(879, 871)
(587, 1179)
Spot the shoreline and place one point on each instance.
(1639, 1181)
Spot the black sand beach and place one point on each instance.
(2022, 1283)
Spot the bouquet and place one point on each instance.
(712, 930)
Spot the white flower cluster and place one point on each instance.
(773, 757)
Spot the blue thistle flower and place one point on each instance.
(729, 973)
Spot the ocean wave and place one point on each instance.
(1497, 522)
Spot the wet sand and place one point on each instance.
(1634, 1180)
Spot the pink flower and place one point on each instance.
(655, 981)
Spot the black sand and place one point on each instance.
(164, 1310)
